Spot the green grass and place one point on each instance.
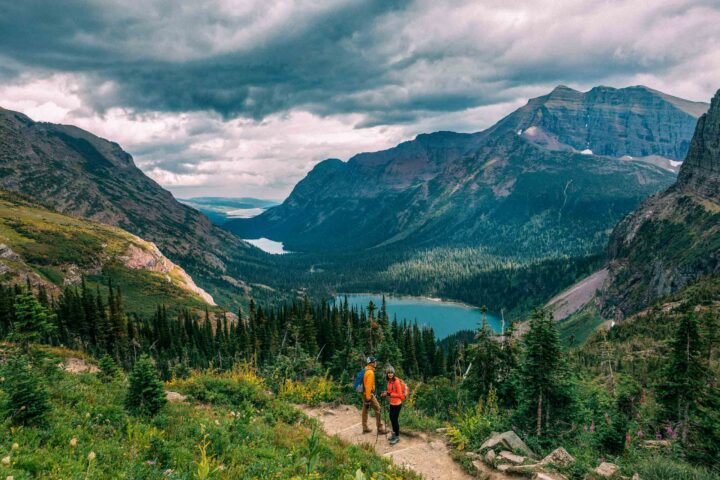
(238, 431)
(578, 327)
(660, 468)
(49, 243)
(143, 291)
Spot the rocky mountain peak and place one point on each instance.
(700, 173)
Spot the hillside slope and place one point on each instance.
(73, 171)
(529, 183)
(673, 238)
(57, 250)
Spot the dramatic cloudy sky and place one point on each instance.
(242, 97)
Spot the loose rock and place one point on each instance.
(508, 440)
(175, 397)
(512, 458)
(548, 476)
(606, 469)
(559, 457)
(490, 457)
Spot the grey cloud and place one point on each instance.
(388, 60)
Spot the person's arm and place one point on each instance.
(369, 383)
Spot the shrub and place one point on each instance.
(437, 398)
(146, 395)
(311, 391)
(108, 368)
(26, 401)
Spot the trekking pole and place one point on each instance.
(382, 416)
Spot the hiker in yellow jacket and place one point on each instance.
(369, 398)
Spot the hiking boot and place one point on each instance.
(382, 431)
(366, 430)
(394, 439)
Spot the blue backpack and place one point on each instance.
(358, 385)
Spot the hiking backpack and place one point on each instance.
(404, 390)
(359, 386)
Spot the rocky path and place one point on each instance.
(425, 454)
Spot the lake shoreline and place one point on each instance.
(444, 317)
(414, 297)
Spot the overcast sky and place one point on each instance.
(242, 98)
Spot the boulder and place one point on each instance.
(504, 467)
(606, 469)
(559, 457)
(509, 441)
(511, 457)
(478, 465)
(490, 457)
(175, 397)
(473, 455)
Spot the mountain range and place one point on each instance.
(75, 172)
(554, 176)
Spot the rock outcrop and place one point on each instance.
(147, 256)
(700, 172)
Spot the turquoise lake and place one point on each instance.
(445, 318)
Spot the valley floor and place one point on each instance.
(421, 453)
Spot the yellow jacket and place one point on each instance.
(369, 382)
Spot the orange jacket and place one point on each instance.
(369, 382)
(395, 391)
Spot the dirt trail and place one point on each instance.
(425, 454)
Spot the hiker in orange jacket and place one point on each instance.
(396, 392)
(369, 398)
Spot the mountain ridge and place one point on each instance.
(445, 181)
(73, 171)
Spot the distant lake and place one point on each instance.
(269, 246)
(445, 318)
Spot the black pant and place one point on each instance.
(394, 416)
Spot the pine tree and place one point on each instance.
(683, 387)
(32, 322)
(26, 400)
(145, 395)
(108, 368)
(486, 358)
(540, 368)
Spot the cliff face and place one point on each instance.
(633, 121)
(700, 172)
(75, 172)
(556, 170)
(673, 238)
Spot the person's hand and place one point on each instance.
(383, 394)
